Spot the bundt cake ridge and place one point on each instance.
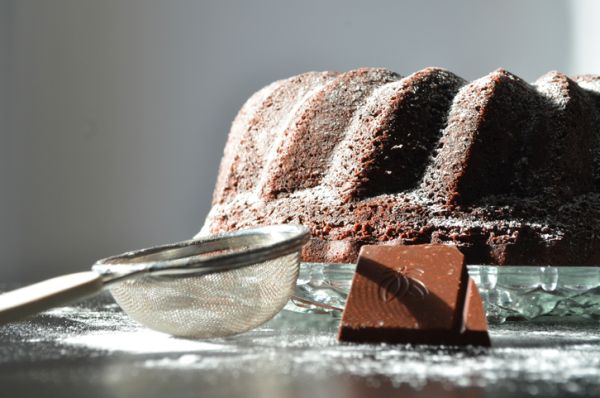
(505, 170)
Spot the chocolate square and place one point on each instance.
(419, 294)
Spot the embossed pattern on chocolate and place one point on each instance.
(396, 283)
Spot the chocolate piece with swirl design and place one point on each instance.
(418, 294)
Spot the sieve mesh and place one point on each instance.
(216, 304)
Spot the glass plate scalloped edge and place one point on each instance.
(508, 292)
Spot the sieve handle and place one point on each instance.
(30, 300)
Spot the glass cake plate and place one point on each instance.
(508, 292)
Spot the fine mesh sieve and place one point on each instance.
(215, 304)
(208, 287)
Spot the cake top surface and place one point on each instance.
(497, 166)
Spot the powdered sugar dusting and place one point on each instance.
(141, 341)
(531, 361)
(280, 137)
(592, 85)
(376, 102)
(549, 358)
(553, 86)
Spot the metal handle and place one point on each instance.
(30, 300)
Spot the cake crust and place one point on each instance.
(505, 170)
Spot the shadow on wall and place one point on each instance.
(119, 111)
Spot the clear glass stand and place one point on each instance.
(508, 292)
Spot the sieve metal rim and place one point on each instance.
(188, 258)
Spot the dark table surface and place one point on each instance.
(93, 349)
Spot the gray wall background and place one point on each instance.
(113, 114)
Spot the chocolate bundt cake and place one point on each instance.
(507, 171)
